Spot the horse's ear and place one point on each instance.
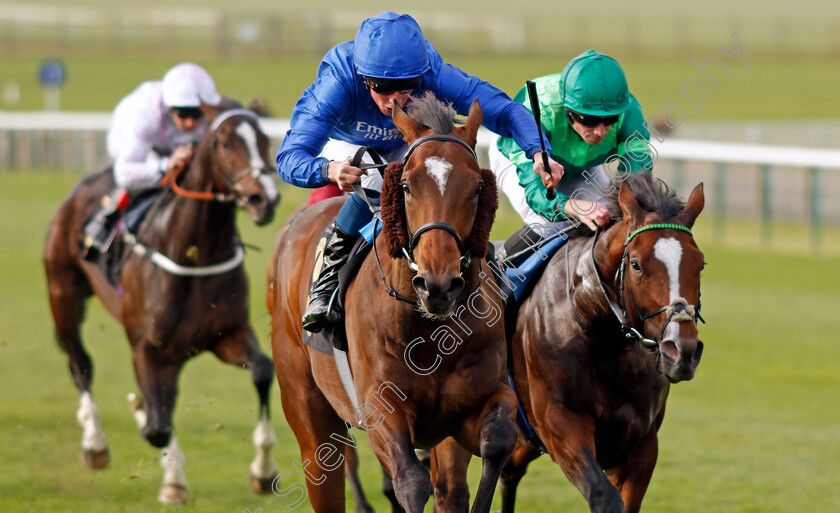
(258, 107)
(630, 209)
(469, 132)
(409, 129)
(210, 112)
(693, 207)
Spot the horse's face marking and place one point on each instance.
(669, 251)
(439, 170)
(249, 136)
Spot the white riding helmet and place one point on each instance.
(189, 85)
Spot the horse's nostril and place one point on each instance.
(256, 199)
(420, 285)
(669, 349)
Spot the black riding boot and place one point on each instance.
(99, 231)
(320, 311)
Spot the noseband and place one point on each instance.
(677, 310)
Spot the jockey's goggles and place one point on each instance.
(592, 121)
(188, 112)
(387, 86)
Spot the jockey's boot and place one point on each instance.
(99, 231)
(321, 311)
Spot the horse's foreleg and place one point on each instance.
(633, 477)
(158, 382)
(351, 473)
(513, 472)
(449, 474)
(242, 349)
(491, 434)
(570, 440)
(174, 487)
(391, 442)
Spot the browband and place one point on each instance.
(224, 116)
(437, 137)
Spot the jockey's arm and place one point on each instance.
(137, 166)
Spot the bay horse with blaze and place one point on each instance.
(429, 360)
(610, 324)
(182, 289)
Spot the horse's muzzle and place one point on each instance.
(438, 293)
(680, 357)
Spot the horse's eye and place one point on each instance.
(225, 145)
(635, 265)
(405, 187)
(478, 189)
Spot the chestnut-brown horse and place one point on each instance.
(183, 291)
(608, 326)
(435, 361)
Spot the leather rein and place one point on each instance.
(171, 177)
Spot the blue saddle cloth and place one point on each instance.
(521, 277)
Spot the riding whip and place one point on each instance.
(535, 108)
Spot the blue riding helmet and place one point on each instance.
(390, 46)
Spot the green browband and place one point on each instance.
(658, 227)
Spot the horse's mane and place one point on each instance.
(434, 114)
(439, 117)
(651, 193)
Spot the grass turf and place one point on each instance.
(756, 431)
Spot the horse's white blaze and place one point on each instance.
(264, 439)
(249, 136)
(269, 187)
(247, 133)
(669, 252)
(439, 169)
(172, 460)
(93, 436)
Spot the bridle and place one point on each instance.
(408, 252)
(230, 179)
(678, 310)
(414, 238)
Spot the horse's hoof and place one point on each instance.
(173, 494)
(262, 485)
(96, 459)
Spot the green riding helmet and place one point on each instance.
(594, 84)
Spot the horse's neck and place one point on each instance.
(590, 267)
(209, 226)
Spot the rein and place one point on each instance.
(172, 176)
(170, 182)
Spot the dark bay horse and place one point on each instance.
(609, 326)
(427, 367)
(183, 291)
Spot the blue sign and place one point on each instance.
(52, 73)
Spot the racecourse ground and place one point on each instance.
(757, 430)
